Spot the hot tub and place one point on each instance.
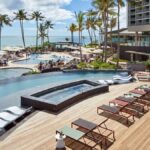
(57, 98)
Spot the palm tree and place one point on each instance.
(4, 20)
(99, 24)
(80, 20)
(93, 20)
(21, 15)
(120, 3)
(88, 24)
(104, 9)
(72, 28)
(48, 25)
(113, 23)
(42, 33)
(37, 15)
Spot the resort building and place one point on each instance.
(139, 15)
(139, 20)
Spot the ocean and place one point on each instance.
(30, 40)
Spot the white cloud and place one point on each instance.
(123, 17)
(51, 9)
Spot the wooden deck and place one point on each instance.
(37, 132)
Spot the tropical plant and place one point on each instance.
(120, 4)
(99, 24)
(147, 64)
(4, 20)
(48, 25)
(37, 16)
(104, 8)
(21, 15)
(72, 28)
(112, 24)
(88, 24)
(80, 20)
(91, 24)
(42, 33)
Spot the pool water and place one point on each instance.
(12, 73)
(37, 58)
(33, 81)
(61, 95)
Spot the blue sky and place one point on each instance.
(61, 12)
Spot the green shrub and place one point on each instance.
(120, 60)
(96, 64)
(107, 66)
(81, 65)
(147, 64)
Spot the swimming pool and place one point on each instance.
(37, 58)
(58, 98)
(12, 89)
(28, 82)
(12, 73)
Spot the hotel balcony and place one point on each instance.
(146, 22)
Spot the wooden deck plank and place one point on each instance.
(37, 132)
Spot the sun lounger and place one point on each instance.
(100, 129)
(116, 111)
(17, 110)
(134, 99)
(138, 91)
(121, 80)
(3, 125)
(143, 77)
(146, 88)
(76, 135)
(103, 82)
(130, 100)
(106, 82)
(8, 116)
(130, 105)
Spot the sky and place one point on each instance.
(61, 12)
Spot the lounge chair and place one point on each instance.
(117, 111)
(18, 111)
(135, 98)
(101, 129)
(143, 77)
(121, 80)
(146, 88)
(77, 135)
(8, 116)
(132, 102)
(138, 91)
(3, 125)
(103, 82)
(133, 107)
(106, 82)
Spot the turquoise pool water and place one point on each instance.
(24, 83)
(61, 95)
(36, 59)
(12, 73)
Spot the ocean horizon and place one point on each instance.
(31, 40)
